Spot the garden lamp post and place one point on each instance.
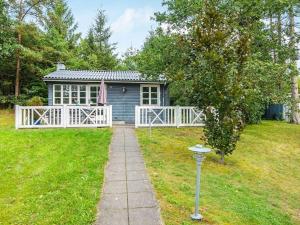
(199, 152)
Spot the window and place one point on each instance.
(82, 93)
(150, 95)
(94, 92)
(57, 94)
(73, 94)
(66, 94)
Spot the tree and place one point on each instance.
(20, 10)
(215, 48)
(60, 34)
(7, 40)
(129, 60)
(96, 48)
(295, 116)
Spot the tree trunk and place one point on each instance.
(18, 57)
(18, 66)
(279, 33)
(295, 117)
(272, 36)
(222, 160)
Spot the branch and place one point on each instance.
(28, 10)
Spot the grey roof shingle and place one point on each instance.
(88, 75)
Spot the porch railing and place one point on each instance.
(168, 116)
(63, 116)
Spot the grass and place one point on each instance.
(50, 176)
(259, 184)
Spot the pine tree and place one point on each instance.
(96, 47)
(60, 33)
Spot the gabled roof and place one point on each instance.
(88, 75)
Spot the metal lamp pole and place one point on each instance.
(198, 150)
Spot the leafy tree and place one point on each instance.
(129, 60)
(7, 40)
(295, 115)
(96, 48)
(213, 47)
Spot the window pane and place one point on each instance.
(93, 95)
(145, 101)
(145, 95)
(66, 101)
(82, 88)
(57, 94)
(153, 89)
(82, 94)
(145, 89)
(74, 87)
(153, 95)
(93, 100)
(93, 89)
(57, 101)
(66, 93)
(82, 101)
(74, 94)
(57, 88)
(74, 101)
(153, 101)
(66, 87)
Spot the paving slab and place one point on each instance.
(139, 186)
(113, 217)
(135, 166)
(141, 200)
(115, 176)
(136, 175)
(112, 187)
(127, 197)
(149, 216)
(113, 201)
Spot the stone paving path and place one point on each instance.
(127, 197)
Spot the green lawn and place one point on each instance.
(50, 176)
(259, 185)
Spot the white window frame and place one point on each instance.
(158, 94)
(53, 94)
(87, 93)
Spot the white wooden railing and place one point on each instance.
(168, 116)
(63, 116)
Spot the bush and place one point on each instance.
(8, 101)
(35, 101)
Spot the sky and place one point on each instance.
(130, 20)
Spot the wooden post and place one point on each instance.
(64, 115)
(137, 116)
(17, 120)
(110, 116)
(177, 116)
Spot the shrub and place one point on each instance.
(8, 101)
(35, 101)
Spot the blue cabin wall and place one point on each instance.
(123, 104)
